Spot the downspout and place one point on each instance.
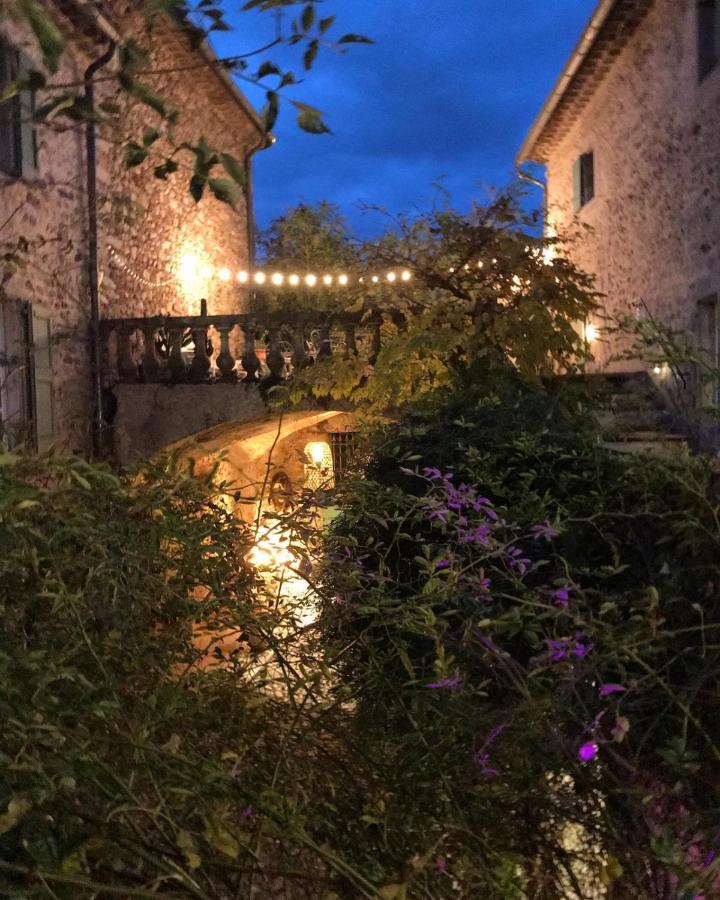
(531, 179)
(93, 270)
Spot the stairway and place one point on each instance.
(632, 415)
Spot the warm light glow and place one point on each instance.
(311, 280)
(327, 280)
(406, 276)
(343, 280)
(591, 333)
(224, 274)
(391, 277)
(319, 453)
(481, 264)
(277, 279)
(189, 265)
(207, 272)
(243, 277)
(260, 278)
(375, 279)
(294, 280)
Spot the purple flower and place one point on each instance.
(480, 535)
(558, 648)
(443, 564)
(544, 532)
(588, 751)
(441, 864)
(432, 473)
(561, 597)
(483, 760)
(248, 811)
(607, 689)
(447, 683)
(582, 647)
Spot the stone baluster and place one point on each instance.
(200, 366)
(151, 362)
(225, 360)
(127, 367)
(250, 361)
(275, 359)
(176, 363)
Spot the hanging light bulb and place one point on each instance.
(260, 278)
(243, 277)
(311, 280)
(327, 280)
(277, 279)
(224, 274)
(375, 279)
(391, 277)
(294, 280)
(343, 280)
(406, 276)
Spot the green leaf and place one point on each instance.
(355, 39)
(268, 68)
(326, 24)
(310, 119)
(197, 187)
(311, 54)
(169, 167)
(225, 190)
(308, 17)
(17, 809)
(234, 168)
(135, 155)
(45, 30)
(12, 89)
(150, 135)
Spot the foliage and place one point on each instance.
(482, 287)
(214, 169)
(526, 624)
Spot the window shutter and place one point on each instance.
(577, 183)
(10, 138)
(42, 381)
(28, 131)
(15, 374)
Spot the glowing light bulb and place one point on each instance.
(343, 280)
(260, 278)
(311, 280)
(327, 279)
(481, 264)
(391, 277)
(657, 370)
(375, 279)
(294, 280)
(277, 279)
(318, 453)
(224, 274)
(406, 276)
(243, 277)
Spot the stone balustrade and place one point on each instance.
(251, 348)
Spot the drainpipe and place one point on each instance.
(93, 273)
(526, 176)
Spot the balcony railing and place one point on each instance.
(248, 348)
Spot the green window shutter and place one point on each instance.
(28, 131)
(10, 138)
(42, 380)
(577, 183)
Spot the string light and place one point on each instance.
(406, 276)
(277, 279)
(311, 280)
(343, 280)
(294, 280)
(391, 277)
(224, 274)
(121, 264)
(327, 280)
(260, 278)
(243, 277)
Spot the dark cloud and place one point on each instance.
(447, 92)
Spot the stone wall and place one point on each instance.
(157, 232)
(655, 218)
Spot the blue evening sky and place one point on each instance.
(447, 93)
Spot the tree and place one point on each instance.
(67, 102)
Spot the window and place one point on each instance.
(18, 137)
(26, 389)
(708, 36)
(708, 334)
(584, 179)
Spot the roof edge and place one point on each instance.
(572, 67)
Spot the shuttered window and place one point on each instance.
(584, 180)
(18, 136)
(708, 36)
(26, 387)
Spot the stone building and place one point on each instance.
(630, 138)
(159, 251)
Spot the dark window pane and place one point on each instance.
(587, 177)
(10, 146)
(708, 36)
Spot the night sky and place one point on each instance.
(446, 94)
